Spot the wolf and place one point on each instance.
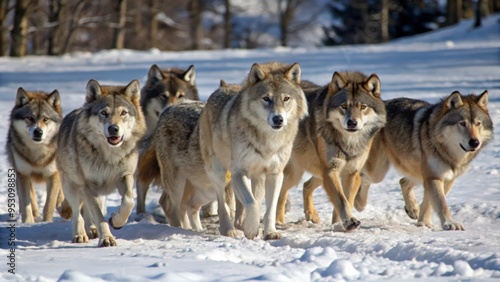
(333, 143)
(250, 134)
(31, 148)
(186, 184)
(431, 145)
(98, 152)
(163, 87)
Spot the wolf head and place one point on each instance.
(463, 123)
(114, 111)
(37, 115)
(353, 102)
(166, 87)
(273, 94)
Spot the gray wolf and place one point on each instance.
(31, 148)
(333, 143)
(163, 87)
(250, 134)
(186, 184)
(431, 145)
(98, 152)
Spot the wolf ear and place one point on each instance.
(222, 83)
(21, 97)
(483, 99)
(454, 100)
(190, 75)
(93, 91)
(337, 83)
(373, 85)
(133, 90)
(155, 74)
(293, 73)
(54, 99)
(256, 74)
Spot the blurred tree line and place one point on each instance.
(55, 27)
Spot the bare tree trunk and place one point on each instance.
(194, 9)
(139, 39)
(384, 21)
(20, 29)
(482, 9)
(228, 28)
(286, 10)
(153, 24)
(73, 26)
(453, 11)
(119, 32)
(57, 12)
(4, 10)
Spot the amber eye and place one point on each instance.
(180, 95)
(45, 119)
(103, 113)
(124, 113)
(478, 123)
(266, 99)
(286, 99)
(363, 107)
(344, 106)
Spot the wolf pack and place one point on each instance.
(249, 142)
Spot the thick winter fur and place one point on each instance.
(98, 152)
(186, 184)
(431, 145)
(31, 147)
(333, 143)
(163, 87)
(250, 134)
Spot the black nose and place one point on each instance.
(113, 130)
(38, 132)
(474, 143)
(278, 120)
(352, 123)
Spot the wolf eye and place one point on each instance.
(363, 107)
(266, 99)
(286, 99)
(478, 123)
(124, 113)
(462, 123)
(344, 106)
(45, 119)
(30, 118)
(103, 113)
(163, 97)
(180, 95)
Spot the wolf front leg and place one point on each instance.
(53, 190)
(436, 194)
(241, 185)
(91, 202)
(73, 195)
(273, 187)
(25, 197)
(125, 188)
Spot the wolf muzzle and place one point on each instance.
(114, 137)
(37, 134)
(277, 122)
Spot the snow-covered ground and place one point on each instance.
(388, 246)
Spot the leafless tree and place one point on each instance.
(119, 31)
(57, 14)
(454, 11)
(228, 27)
(196, 29)
(20, 29)
(4, 11)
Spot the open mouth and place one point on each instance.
(115, 140)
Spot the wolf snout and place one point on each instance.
(277, 121)
(474, 143)
(113, 130)
(351, 124)
(38, 133)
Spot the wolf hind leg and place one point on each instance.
(411, 205)
(53, 190)
(292, 176)
(310, 211)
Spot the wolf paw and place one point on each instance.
(92, 233)
(275, 235)
(80, 239)
(107, 242)
(351, 224)
(312, 215)
(450, 225)
(234, 233)
(424, 224)
(65, 211)
(412, 212)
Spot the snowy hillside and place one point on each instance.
(388, 246)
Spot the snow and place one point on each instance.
(388, 246)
